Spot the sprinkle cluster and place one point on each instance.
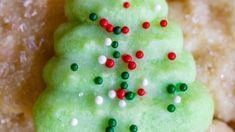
(108, 26)
(175, 90)
(111, 28)
(123, 92)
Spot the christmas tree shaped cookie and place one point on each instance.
(120, 67)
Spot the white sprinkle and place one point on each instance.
(122, 103)
(99, 100)
(112, 94)
(158, 8)
(145, 82)
(177, 99)
(80, 94)
(74, 122)
(108, 41)
(102, 59)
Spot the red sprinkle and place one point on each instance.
(125, 30)
(132, 65)
(146, 25)
(126, 58)
(121, 93)
(141, 92)
(163, 23)
(110, 63)
(109, 28)
(104, 22)
(171, 56)
(139, 54)
(126, 4)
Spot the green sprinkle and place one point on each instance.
(115, 44)
(74, 67)
(98, 80)
(112, 122)
(130, 95)
(124, 85)
(117, 30)
(116, 54)
(171, 89)
(171, 108)
(109, 129)
(133, 128)
(93, 17)
(125, 75)
(183, 87)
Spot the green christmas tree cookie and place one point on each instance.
(120, 67)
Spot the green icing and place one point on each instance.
(55, 109)
(157, 41)
(71, 75)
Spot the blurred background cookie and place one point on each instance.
(209, 32)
